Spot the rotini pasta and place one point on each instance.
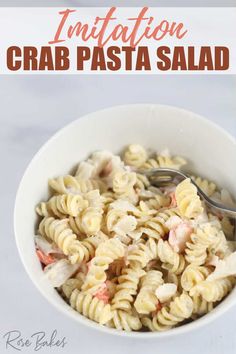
(113, 217)
(146, 300)
(88, 222)
(203, 239)
(158, 201)
(141, 254)
(142, 182)
(91, 243)
(193, 275)
(164, 161)
(180, 309)
(108, 198)
(106, 253)
(59, 232)
(135, 155)
(70, 285)
(187, 199)
(143, 213)
(213, 291)
(123, 320)
(220, 245)
(200, 306)
(74, 185)
(174, 279)
(129, 255)
(90, 307)
(172, 261)
(156, 227)
(208, 187)
(127, 288)
(124, 182)
(63, 205)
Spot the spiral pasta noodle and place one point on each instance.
(135, 155)
(208, 187)
(187, 199)
(213, 291)
(59, 232)
(220, 245)
(91, 243)
(193, 275)
(174, 279)
(180, 309)
(90, 307)
(143, 213)
(162, 161)
(63, 205)
(127, 288)
(140, 255)
(113, 217)
(146, 300)
(202, 239)
(156, 227)
(123, 320)
(142, 182)
(200, 306)
(106, 253)
(172, 261)
(124, 182)
(69, 184)
(108, 198)
(70, 285)
(88, 222)
(158, 202)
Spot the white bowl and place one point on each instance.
(209, 148)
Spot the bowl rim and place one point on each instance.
(196, 324)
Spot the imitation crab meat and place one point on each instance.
(103, 293)
(179, 234)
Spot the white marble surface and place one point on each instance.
(32, 109)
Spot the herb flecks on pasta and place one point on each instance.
(131, 256)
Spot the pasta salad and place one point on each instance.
(131, 256)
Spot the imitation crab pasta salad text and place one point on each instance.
(132, 256)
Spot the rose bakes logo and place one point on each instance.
(37, 341)
(110, 45)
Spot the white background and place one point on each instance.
(31, 110)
